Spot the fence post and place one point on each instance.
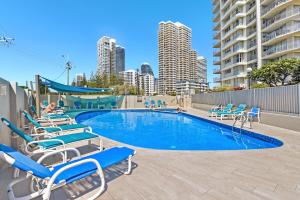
(298, 99)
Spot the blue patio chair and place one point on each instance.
(53, 177)
(153, 104)
(254, 113)
(77, 105)
(89, 105)
(114, 105)
(53, 128)
(146, 104)
(49, 142)
(159, 103)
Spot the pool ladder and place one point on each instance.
(240, 118)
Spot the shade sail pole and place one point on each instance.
(37, 93)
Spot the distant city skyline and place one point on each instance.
(44, 31)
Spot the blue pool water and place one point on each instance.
(171, 131)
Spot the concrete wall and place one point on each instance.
(13, 100)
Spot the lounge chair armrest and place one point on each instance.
(44, 129)
(59, 151)
(47, 193)
(46, 140)
(37, 135)
(101, 141)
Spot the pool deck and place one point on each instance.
(208, 175)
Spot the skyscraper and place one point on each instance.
(106, 48)
(146, 69)
(120, 59)
(174, 48)
(250, 33)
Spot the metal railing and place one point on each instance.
(281, 16)
(273, 5)
(283, 99)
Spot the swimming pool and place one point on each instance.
(171, 131)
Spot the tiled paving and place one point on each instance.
(208, 175)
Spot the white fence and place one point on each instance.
(284, 99)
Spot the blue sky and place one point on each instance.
(44, 30)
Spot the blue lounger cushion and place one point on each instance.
(25, 163)
(69, 138)
(105, 158)
(64, 127)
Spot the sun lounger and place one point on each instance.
(49, 179)
(33, 143)
(53, 128)
(227, 114)
(228, 108)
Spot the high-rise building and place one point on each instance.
(201, 70)
(250, 33)
(146, 69)
(174, 48)
(79, 79)
(129, 77)
(106, 48)
(120, 59)
(146, 82)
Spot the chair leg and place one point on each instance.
(129, 166)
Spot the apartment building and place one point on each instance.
(106, 51)
(129, 77)
(250, 33)
(120, 59)
(146, 82)
(174, 47)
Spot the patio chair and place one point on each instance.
(77, 105)
(89, 105)
(114, 105)
(146, 104)
(254, 113)
(44, 180)
(238, 111)
(228, 108)
(53, 128)
(35, 145)
(153, 104)
(159, 103)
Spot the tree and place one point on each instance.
(276, 73)
(285, 68)
(266, 74)
(296, 75)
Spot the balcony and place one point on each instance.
(217, 53)
(217, 35)
(273, 5)
(281, 32)
(217, 71)
(280, 16)
(217, 44)
(285, 46)
(217, 80)
(217, 62)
